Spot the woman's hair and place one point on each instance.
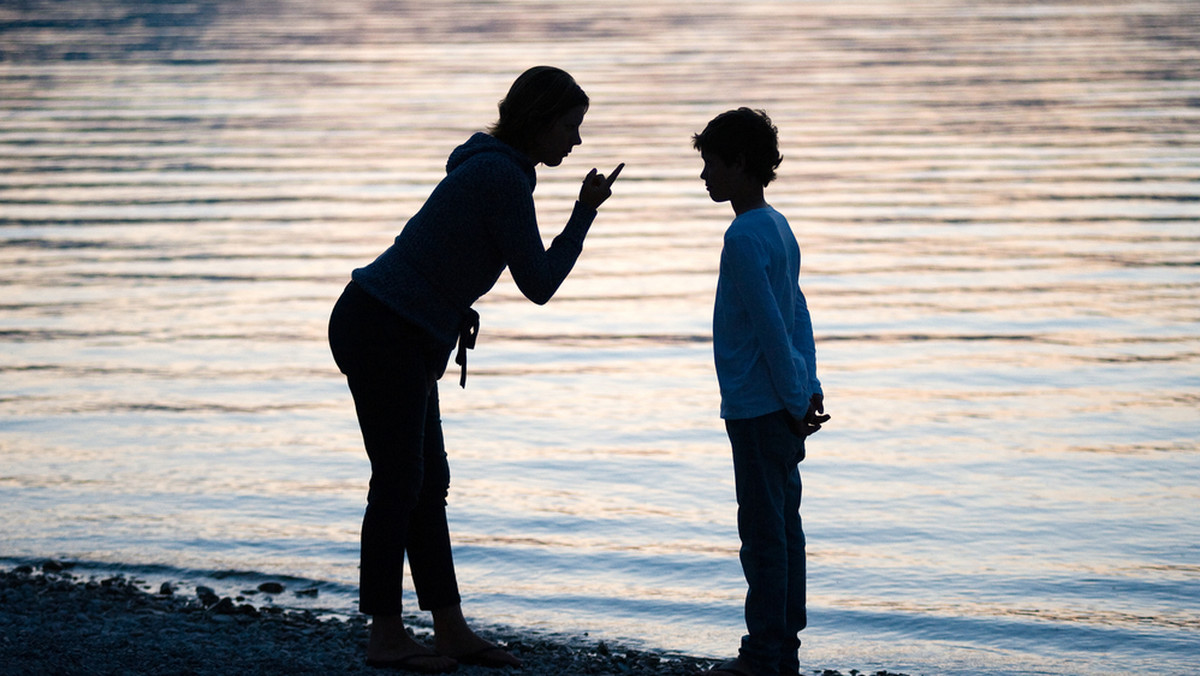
(536, 99)
(743, 133)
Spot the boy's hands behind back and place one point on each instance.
(813, 419)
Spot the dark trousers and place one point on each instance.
(765, 464)
(392, 368)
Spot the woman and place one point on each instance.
(395, 325)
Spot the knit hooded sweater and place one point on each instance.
(479, 219)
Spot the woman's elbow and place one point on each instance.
(537, 289)
(540, 298)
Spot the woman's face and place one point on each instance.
(552, 146)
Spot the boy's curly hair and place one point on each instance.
(746, 133)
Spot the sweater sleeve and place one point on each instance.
(746, 264)
(537, 271)
(802, 338)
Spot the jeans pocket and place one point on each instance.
(786, 439)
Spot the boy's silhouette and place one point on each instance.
(770, 396)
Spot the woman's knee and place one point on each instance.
(436, 486)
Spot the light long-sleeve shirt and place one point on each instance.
(762, 332)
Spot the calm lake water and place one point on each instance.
(999, 208)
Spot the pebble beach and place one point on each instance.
(55, 622)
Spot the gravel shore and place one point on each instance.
(52, 622)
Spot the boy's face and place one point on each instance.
(720, 179)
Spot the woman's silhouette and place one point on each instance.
(396, 323)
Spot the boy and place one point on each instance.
(770, 396)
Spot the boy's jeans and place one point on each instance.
(765, 458)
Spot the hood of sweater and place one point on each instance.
(480, 143)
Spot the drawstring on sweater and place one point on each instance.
(467, 332)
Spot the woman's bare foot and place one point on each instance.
(391, 646)
(734, 667)
(452, 637)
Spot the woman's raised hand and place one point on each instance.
(597, 187)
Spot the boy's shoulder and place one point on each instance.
(756, 222)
